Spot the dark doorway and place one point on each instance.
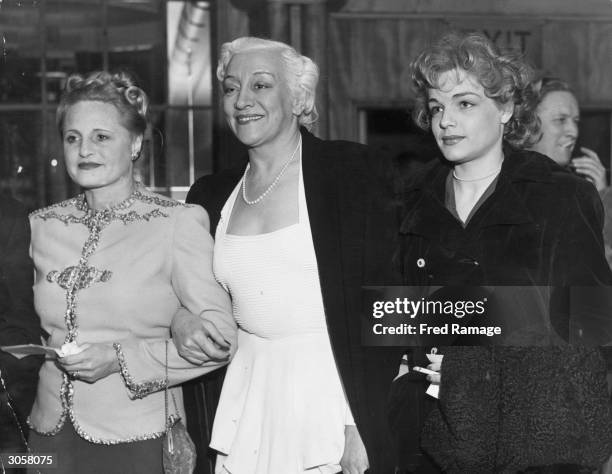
(393, 132)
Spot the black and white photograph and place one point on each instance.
(305, 237)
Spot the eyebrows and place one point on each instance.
(95, 130)
(458, 95)
(564, 115)
(254, 74)
(564, 112)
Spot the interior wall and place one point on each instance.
(370, 51)
(230, 22)
(369, 65)
(544, 8)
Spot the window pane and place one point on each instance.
(136, 43)
(188, 45)
(175, 157)
(20, 49)
(55, 38)
(18, 167)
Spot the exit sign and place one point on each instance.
(518, 35)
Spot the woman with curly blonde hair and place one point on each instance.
(498, 217)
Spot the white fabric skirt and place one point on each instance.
(282, 408)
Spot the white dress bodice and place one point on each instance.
(282, 407)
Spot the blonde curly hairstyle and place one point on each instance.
(505, 77)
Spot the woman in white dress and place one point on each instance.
(289, 247)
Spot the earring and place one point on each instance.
(134, 155)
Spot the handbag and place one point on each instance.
(178, 450)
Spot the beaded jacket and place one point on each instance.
(118, 275)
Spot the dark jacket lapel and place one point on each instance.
(424, 199)
(336, 188)
(320, 186)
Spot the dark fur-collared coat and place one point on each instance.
(507, 408)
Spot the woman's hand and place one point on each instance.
(435, 379)
(355, 458)
(589, 165)
(94, 362)
(198, 340)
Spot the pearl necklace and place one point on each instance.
(273, 184)
(466, 180)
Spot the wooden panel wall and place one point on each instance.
(369, 59)
(369, 65)
(543, 8)
(581, 53)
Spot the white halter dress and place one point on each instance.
(282, 408)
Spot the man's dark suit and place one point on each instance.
(353, 242)
(19, 323)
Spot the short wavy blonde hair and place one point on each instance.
(505, 77)
(302, 73)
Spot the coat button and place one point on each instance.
(421, 262)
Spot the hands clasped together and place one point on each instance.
(197, 340)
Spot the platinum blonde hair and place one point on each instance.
(301, 72)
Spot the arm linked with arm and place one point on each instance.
(143, 364)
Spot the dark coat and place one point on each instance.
(513, 407)
(353, 236)
(541, 226)
(19, 323)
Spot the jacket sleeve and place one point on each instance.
(581, 259)
(606, 200)
(143, 362)
(581, 303)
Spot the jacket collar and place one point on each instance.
(519, 165)
(321, 176)
(523, 165)
(425, 213)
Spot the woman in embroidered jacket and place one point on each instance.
(113, 266)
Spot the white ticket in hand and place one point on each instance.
(69, 348)
(23, 350)
(433, 390)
